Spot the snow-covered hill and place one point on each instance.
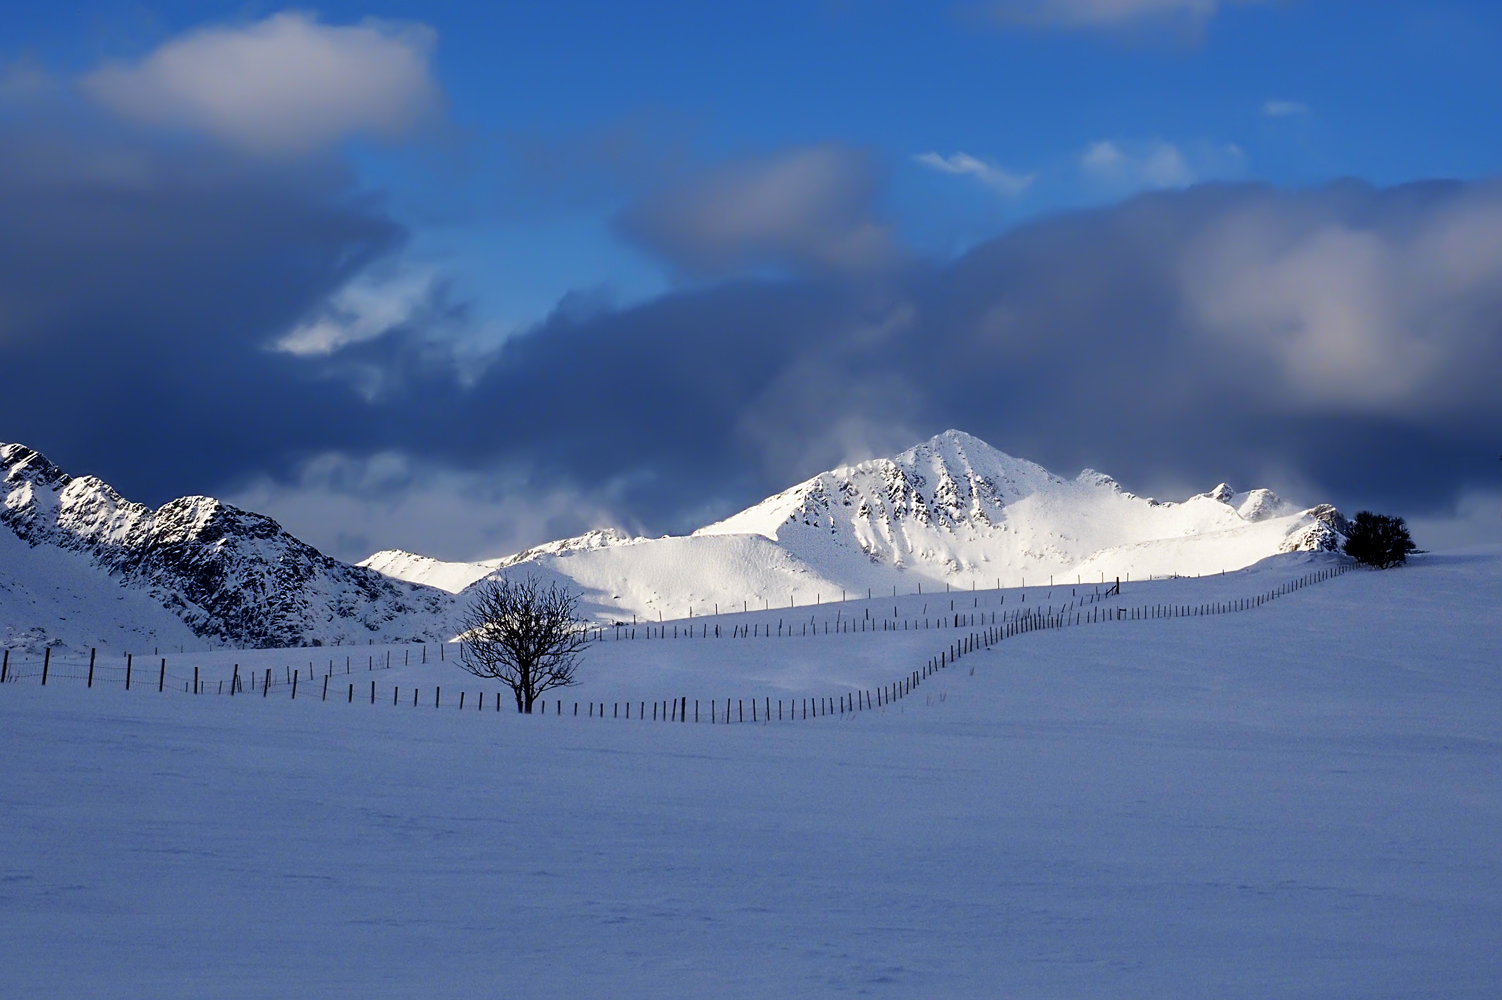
(951, 511)
(83, 565)
(1306, 794)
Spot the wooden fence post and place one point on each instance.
(92, 651)
(5, 667)
(46, 663)
(129, 659)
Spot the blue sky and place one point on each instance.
(1293, 93)
(476, 184)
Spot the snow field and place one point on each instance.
(1298, 802)
(843, 649)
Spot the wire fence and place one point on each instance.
(980, 630)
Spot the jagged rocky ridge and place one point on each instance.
(228, 574)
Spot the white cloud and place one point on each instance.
(992, 176)
(1156, 164)
(351, 506)
(1126, 166)
(1367, 317)
(1284, 109)
(282, 86)
(1107, 13)
(362, 310)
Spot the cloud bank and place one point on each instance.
(208, 321)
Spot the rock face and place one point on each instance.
(228, 574)
(1326, 532)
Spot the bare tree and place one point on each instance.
(524, 635)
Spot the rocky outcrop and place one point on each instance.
(229, 574)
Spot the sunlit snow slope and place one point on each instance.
(1299, 801)
(952, 510)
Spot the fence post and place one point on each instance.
(325, 687)
(92, 651)
(129, 660)
(195, 678)
(46, 663)
(5, 667)
(294, 683)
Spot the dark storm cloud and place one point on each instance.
(139, 286)
(1344, 338)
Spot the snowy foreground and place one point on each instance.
(1300, 800)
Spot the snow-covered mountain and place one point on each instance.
(952, 510)
(79, 561)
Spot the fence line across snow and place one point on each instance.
(983, 631)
